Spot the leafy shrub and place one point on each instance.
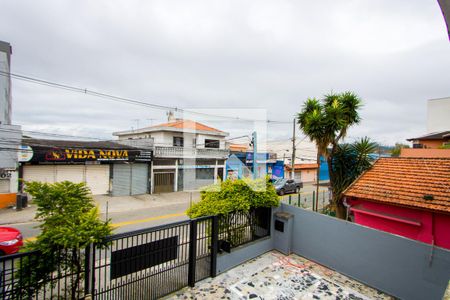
(234, 196)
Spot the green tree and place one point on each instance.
(398, 148)
(326, 122)
(69, 222)
(349, 162)
(230, 196)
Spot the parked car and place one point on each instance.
(10, 240)
(283, 186)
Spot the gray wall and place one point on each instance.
(395, 265)
(10, 140)
(5, 83)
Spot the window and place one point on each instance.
(212, 144)
(178, 141)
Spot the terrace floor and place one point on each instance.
(276, 276)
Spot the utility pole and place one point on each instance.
(293, 151)
(254, 142)
(317, 180)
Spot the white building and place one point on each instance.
(438, 115)
(187, 154)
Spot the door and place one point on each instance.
(73, 173)
(43, 173)
(121, 185)
(164, 182)
(139, 179)
(97, 179)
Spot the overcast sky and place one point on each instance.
(224, 55)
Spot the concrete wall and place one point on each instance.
(5, 83)
(398, 266)
(437, 115)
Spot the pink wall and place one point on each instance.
(411, 223)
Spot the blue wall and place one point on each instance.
(323, 173)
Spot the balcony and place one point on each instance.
(180, 152)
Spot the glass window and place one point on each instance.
(212, 143)
(178, 141)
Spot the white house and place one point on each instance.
(187, 154)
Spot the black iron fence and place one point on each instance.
(242, 227)
(28, 276)
(142, 264)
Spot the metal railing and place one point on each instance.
(308, 200)
(143, 264)
(180, 152)
(29, 276)
(239, 228)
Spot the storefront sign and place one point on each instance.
(25, 153)
(43, 154)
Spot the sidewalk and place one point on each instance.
(108, 204)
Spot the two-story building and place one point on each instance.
(187, 154)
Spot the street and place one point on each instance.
(133, 213)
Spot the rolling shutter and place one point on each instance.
(121, 180)
(39, 173)
(139, 179)
(73, 173)
(97, 179)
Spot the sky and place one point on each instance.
(226, 57)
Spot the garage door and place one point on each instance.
(39, 173)
(121, 180)
(96, 177)
(129, 179)
(73, 173)
(164, 182)
(139, 179)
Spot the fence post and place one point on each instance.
(192, 252)
(87, 270)
(299, 199)
(214, 244)
(289, 199)
(92, 270)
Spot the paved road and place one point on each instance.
(127, 221)
(132, 214)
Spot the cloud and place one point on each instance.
(225, 55)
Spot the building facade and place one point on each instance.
(187, 155)
(438, 112)
(240, 165)
(404, 196)
(10, 135)
(107, 168)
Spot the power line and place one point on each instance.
(124, 99)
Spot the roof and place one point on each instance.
(432, 136)
(303, 166)
(404, 181)
(177, 125)
(239, 147)
(74, 144)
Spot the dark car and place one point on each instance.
(283, 186)
(10, 240)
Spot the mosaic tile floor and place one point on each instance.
(275, 276)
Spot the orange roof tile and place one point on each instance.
(187, 124)
(302, 166)
(404, 181)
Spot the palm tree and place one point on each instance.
(349, 162)
(326, 122)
